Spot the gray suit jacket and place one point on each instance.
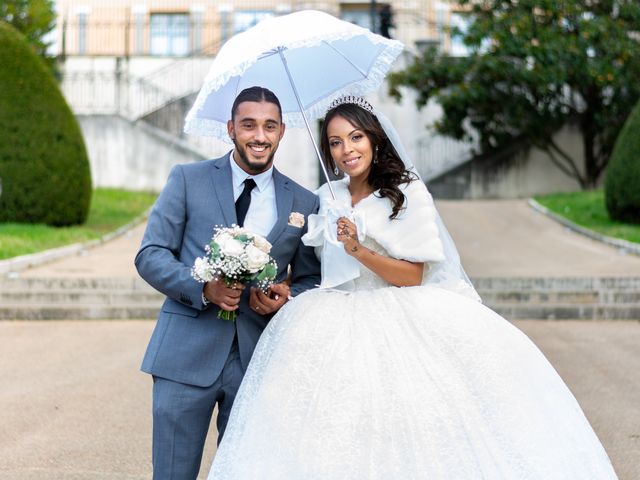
(189, 343)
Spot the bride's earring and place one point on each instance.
(375, 155)
(336, 171)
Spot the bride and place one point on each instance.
(362, 379)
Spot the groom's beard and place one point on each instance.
(255, 167)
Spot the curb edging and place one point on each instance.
(22, 262)
(624, 245)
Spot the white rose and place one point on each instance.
(256, 259)
(236, 230)
(221, 238)
(202, 269)
(262, 243)
(231, 247)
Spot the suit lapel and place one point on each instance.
(284, 202)
(223, 186)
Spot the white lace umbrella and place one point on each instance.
(306, 58)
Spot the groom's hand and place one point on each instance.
(265, 304)
(227, 298)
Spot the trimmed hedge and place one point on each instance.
(622, 185)
(44, 168)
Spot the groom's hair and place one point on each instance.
(255, 94)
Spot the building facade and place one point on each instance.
(180, 28)
(128, 62)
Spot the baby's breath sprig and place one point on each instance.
(236, 255)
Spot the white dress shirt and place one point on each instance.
(263, 212)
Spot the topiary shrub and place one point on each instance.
(622, 185)
(44, 167)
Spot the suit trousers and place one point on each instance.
(182, 415)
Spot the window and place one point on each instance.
(197, 22)
(248, 18)
(461, 22)
(170, 34)
(442, 10)
(82, 33)
(358, 13)
(226, 14)
(196, 17)
(138, 42)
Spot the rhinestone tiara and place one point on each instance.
(359, 101)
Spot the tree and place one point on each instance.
(34, 19)
(533, 67)
(622, 185)
(44, 166)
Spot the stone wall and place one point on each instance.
(527, 174)
(138, 156)
(130, 155)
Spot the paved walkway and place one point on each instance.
(74, 406)
(508, 238)
(111, 259)
(495, 238)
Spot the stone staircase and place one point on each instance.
(75, 299)
(131, 298)
(562, 298)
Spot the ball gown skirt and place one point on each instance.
(403, 383)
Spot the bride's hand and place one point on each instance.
(348, 235)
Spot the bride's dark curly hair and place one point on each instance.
(389, 171)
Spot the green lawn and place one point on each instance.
(110, 209)
(588, 210)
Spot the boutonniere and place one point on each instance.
(296, 219)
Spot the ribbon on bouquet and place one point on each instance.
(337, 266)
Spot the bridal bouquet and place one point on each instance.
(235, 254)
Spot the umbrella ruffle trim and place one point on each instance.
(207, 127)
(220, 79)
(373, 81)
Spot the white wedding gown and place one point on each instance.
(376, 382)
(402, 383)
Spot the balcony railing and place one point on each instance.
(122, 32)
(113, 90)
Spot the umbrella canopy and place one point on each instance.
(306, 58)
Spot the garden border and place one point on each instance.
(13, 265)
(624, 245)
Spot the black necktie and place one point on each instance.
(244, 200)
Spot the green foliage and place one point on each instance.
(44, 167)
(110, 209)
(34, 19)
(588, 210)
(534, 66)
(622, 186)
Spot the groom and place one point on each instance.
(197, 359)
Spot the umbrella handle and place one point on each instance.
(304, 117)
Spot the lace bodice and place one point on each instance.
(367, 279)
